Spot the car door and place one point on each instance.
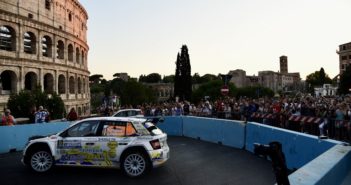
(116, 136)
(79, 145)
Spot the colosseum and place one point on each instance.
(43, 43)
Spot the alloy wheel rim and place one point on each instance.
(41, 161)
(134, 164)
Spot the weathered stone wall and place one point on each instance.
(58, 63)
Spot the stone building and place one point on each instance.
(164, 91)
(44, 43)
(277, 81)
(238, 77)
(344, 56)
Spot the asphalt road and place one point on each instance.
(192, 162)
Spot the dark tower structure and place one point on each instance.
(283, 64)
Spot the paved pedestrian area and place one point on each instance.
(192, 162)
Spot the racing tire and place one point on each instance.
(135, 164)
(41, 161)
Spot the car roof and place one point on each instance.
(126, 119)
(129, 110)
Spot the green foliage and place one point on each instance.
(168, 79)
(96, 78)
(255, 92)
(22, 103)
(55, 106)
(132, 92)
(213, 90)
(150, 78)
(318, 78)
(345, 81)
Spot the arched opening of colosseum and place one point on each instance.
(8, 83)
(60, 50)
(71, 85)
(79, 85)
(84, 86)
(29, 42)
(62, 84)
(77, 55)
(46, 46)
(48, 83)
(70, 53)
(30, 81)
(7, 38)
(79, 111)
(83, 58)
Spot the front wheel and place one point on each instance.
(41, 161)
(135, 164)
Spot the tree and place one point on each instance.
(196, 79)
(168, 79)
(209, 77)
(255, 92)
(213, 90)
(21, 104)
(345, 81)
(182, 80)
(95, 78)
(151, 78)
(318, 78)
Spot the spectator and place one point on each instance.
(72, 115)
(41, 116)
(7, 119)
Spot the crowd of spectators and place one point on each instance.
(333, 112)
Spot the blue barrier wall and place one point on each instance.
(299, 148)
(173, 126)
(228, 132)
(15, 137)
(329, 168)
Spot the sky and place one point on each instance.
(140, 37)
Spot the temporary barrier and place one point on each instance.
(173, 126)
(226, 132)
(329, 168)
(298, 148)
(15, 137)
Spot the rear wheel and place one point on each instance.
(41, 161)
(135, 164)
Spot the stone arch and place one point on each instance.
(79, 85)
(48, 83)
(83, 58)
(79, 111)
(72, 85)
(8, 82)
(77, 55)
(61, 84)
(46, 46)
(70, 52)
(29, 43)
(7, 38)
(60, 54)
(84, 86)
(30, 81)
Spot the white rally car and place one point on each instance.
(133, 144)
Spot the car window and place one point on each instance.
(83, 129)
(130, 131)
(121, 114)
(114, 129)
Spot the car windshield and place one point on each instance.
(152, 128)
